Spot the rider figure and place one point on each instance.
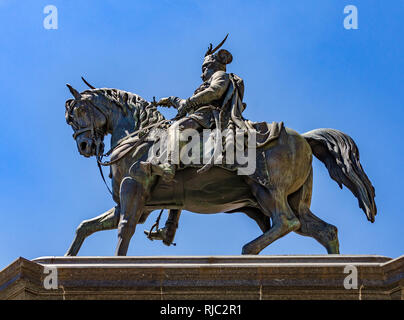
(200, 106)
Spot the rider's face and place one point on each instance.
(207, 71)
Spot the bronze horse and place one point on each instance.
(278, 209)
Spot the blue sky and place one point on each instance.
(299, 65)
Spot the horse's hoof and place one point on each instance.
(248, 250)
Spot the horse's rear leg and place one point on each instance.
(323, 232)
(274, 204)
(106, 221)
(311, 225)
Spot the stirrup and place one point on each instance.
(159, 234)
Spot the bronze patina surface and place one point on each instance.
(277, 196)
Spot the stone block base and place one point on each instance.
(204, 277)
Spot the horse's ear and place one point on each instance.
(89, 85)
(74, 92)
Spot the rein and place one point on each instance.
(143, 132)
(80, 131)
(120, 143)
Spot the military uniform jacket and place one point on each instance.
(210, 96)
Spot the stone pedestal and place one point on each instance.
(204, 277)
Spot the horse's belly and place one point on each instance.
(216, 190)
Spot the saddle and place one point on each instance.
(265, 134)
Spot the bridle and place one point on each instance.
(96, 135)
(95, 132)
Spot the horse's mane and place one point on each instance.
(129, 103)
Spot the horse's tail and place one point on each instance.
(340, 155)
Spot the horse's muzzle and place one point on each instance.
(86, 146)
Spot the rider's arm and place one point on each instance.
(218, 86)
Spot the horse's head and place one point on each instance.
(89, 122)
(95, 113)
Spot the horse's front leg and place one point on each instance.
(106, 221)
(133, 197)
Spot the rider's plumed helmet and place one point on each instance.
(220, 59)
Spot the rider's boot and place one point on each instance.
(166, 169)
(167, 233)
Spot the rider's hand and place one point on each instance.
(165, 102)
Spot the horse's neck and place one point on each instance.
(134, 114)
(122, 127)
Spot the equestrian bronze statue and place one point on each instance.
(276, 194)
